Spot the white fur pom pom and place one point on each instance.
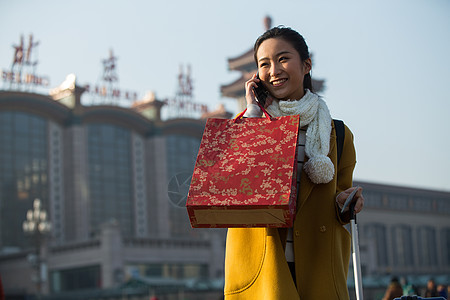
(320, 169)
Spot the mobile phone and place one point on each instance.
(260, 92)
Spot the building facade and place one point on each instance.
(405, 231)
(105, 175)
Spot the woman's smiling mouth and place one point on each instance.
(279, 82)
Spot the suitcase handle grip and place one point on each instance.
(352, 211)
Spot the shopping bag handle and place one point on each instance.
(268, 116)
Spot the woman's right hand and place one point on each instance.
(249, 86)
(250, 94)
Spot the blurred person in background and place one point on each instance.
(2, 294)
(442, 291)
(431, 290)
(394, 290)
(408, 289)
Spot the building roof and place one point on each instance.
(220, 113)
(38, 104)
(243, 62)
(121, 116)
(65, 114)
(235, 89)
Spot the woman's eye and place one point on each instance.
(283, 58)
(263, 65)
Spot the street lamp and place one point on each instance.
(37, 225)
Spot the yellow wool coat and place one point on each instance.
(255, 263)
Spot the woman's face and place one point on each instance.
(281, 69)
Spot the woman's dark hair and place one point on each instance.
(295, 39)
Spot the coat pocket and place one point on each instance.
(245, 250)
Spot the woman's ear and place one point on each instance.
(307, 64)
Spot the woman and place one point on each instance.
(310, 260)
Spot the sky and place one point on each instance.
(385, 63)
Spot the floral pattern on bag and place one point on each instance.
(246, 162)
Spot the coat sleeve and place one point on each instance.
(345, 172)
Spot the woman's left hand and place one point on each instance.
(358, 198)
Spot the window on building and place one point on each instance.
(398, 202)
(110, 180)
(373, 199)
(181, 155)
(23, 172)
(169, 270)
(443, 206)
(426, 246)
(75, 279)
(402, 246)
(422, 204)
(376, 234)
(445, 246)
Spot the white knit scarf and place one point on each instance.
(313, 112)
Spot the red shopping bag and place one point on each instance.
(245, 173)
